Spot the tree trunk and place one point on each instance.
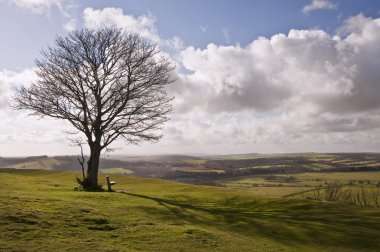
(91, 181)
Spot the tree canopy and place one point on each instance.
(107, 83)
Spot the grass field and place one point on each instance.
(39, 211)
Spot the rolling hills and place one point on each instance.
(40, 211)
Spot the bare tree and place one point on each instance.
(333, 191)
(317, 193)
(375, 195)
(107, 83)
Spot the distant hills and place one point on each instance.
(196, 169)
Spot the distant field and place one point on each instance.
(39, 211)
(284, 185)
(43, 164)
(203, 171)
(165, 166)
(317, 166)
(315, 156)
(344, 177)
(158, 158)
(116, 171)
(265, 166)
(194, 161)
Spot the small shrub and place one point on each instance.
(316, 194)
(333, 191)
(365, 196)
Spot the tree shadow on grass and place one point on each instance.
(288, 222)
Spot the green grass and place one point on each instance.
(39, 211)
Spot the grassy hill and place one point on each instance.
(208, 170)
(45, 163)
(157, 158)
(39, 211)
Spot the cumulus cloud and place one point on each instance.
(228, 79)
(10, 80)
(303, 87)
(319, 5)
(334, 74)
(23, 135)
(143, 25)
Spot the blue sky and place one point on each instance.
(25, 32)
(253, 76)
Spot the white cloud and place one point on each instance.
(23, 135)
(143, 25)
(10, 80)
(307, 88)
(40, 7)
(246, 131)
(333, 73)
(319, 5)
(227, 78)
(70, 25)
(175, 42)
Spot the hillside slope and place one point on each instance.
(39, 211)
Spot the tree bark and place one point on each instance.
(91, 182)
